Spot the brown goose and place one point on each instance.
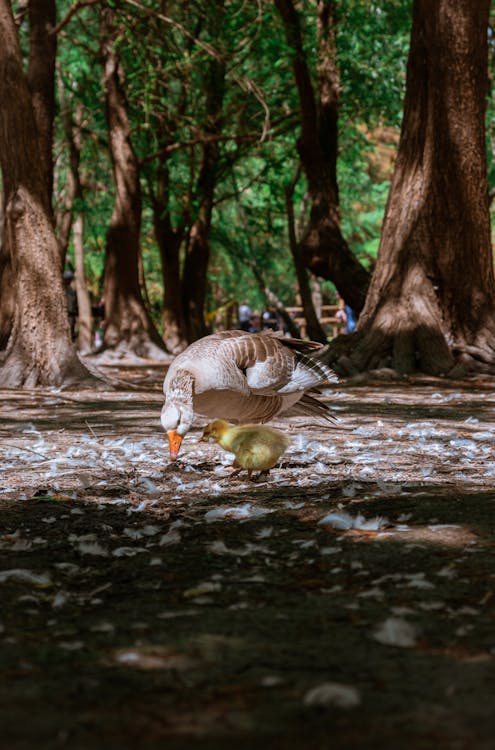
(241, 377)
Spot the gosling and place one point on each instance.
(256, 447)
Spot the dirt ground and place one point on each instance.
(348, 602)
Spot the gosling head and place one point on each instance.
(215, 430)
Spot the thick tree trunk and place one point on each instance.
(39, 350)
(128, 326)
(40, 79)
(7, 291)
(194, 281)
(323, 247)
(431, 301)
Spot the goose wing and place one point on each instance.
(272, 364)
(248, 376)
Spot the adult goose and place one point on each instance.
(242, 377)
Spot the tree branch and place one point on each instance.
(309, 109)
(71, 12)
(167, 150)
(314, 327)
(166, 19)
(246, 84)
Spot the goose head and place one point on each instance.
(177, 413)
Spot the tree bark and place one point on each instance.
(170, 232)
(323, 247)
(72, 183)
(7, 286)
(74, 197)
(40, 79)
(128, 326)
(313, 327)
(431, 301)
(197, 248)
(84, 318)
(169, 243)
(39, 350)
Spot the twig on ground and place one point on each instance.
(91, 430)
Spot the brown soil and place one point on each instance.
(148, 605)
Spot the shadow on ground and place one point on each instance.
(170, 615)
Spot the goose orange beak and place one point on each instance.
(174, 441)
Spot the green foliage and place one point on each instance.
(373, 42)
(79, 77)
(166, 81)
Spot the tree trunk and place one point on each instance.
(194, 279)
(169, 242)
(270, 296)
(170, 234)
(7, 286)
(72, 183)
(40, 79)
(431, 301)
(323, 247)
(274, 301)
(85, 321)
(39, 350)
(313, 327)
(72, 128)
(197, 248)
(128, 326)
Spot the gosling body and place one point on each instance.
(256, 447)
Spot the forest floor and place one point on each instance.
(348, 602)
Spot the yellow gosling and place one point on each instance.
(256, 447)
